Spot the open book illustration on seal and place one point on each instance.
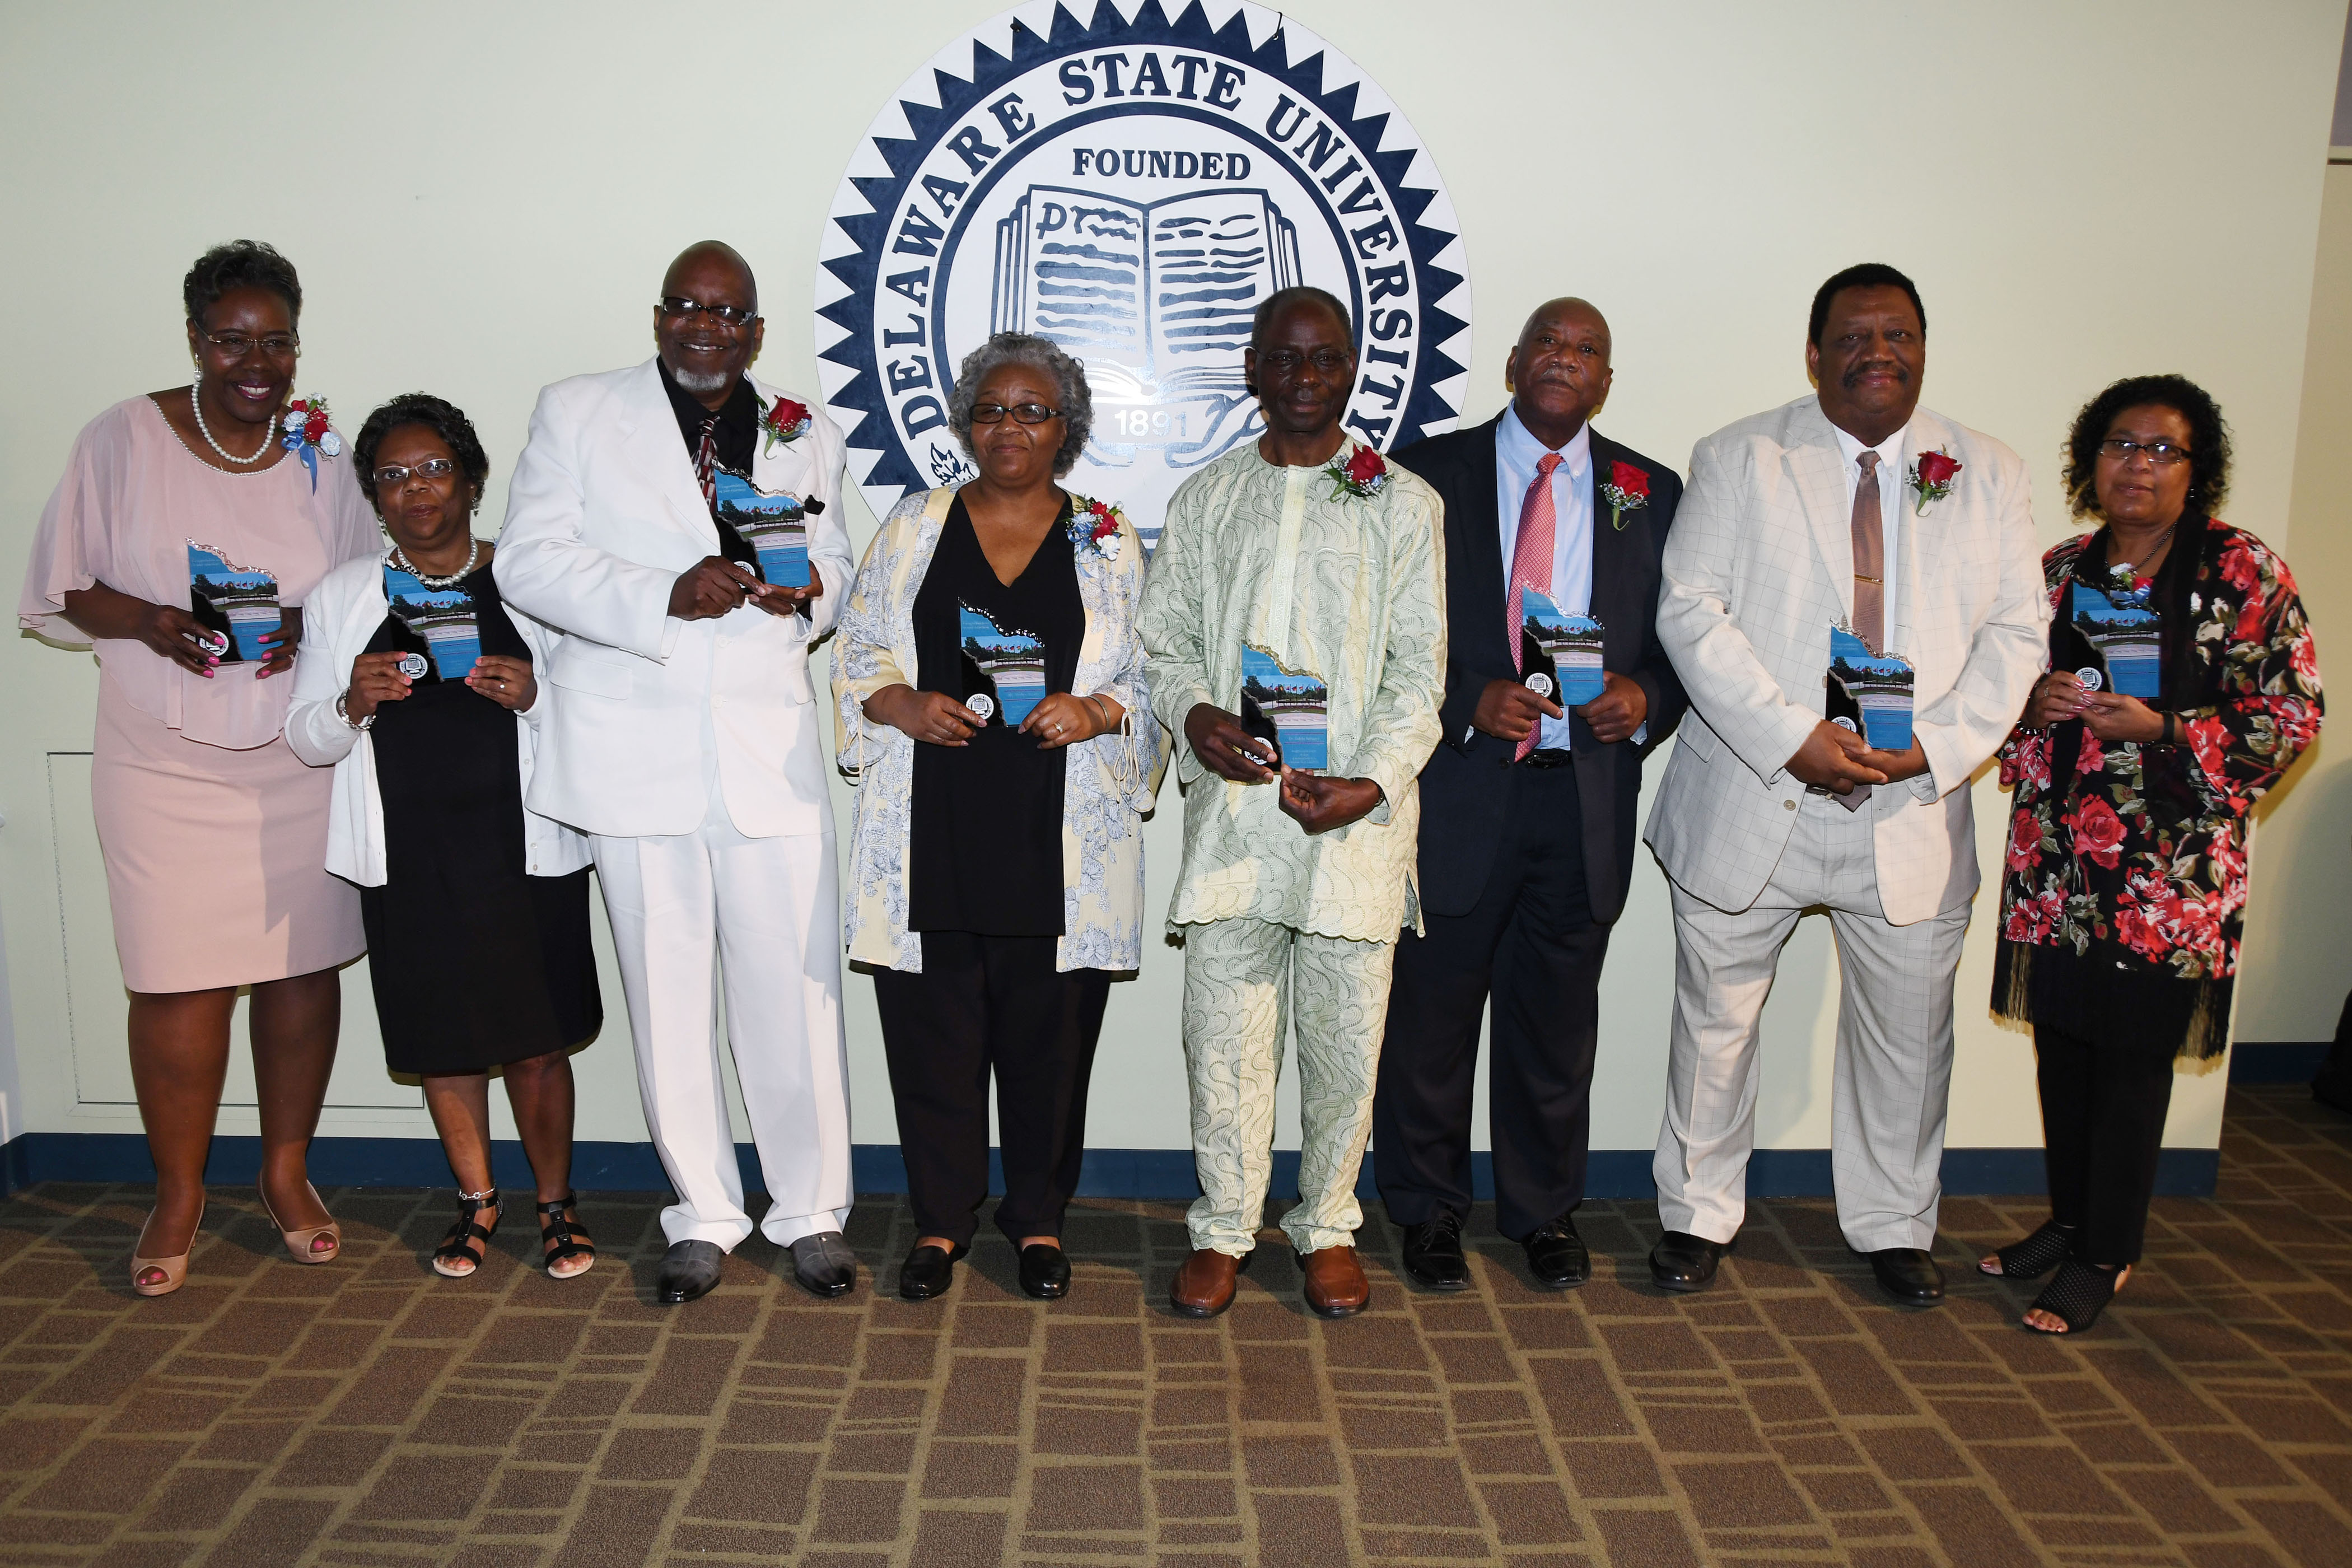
(2124, 634)
(1289, 709)
(1563, 649)
(444, 617)
(774, 526)
(1869, 693)
(1007, 667)
(240, 602)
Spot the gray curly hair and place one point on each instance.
(1076, 400)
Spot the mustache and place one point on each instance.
(1869, 367)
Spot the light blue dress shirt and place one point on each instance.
(1516, 454)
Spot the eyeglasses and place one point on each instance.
(2163, 452)
(1283, 362)
(237, 345)
(1026, 413)
(679, 307)
(391, 476)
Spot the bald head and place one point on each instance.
(1559, 372)
(708, 327)
(707, 258)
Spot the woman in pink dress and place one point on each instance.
(215, 833)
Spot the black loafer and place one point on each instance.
(688, 1270)
(1556, 1255)
(1682, 1262)
(1909, 1275)
(927, 1272)
(1044, 1272)
(1433, 1253)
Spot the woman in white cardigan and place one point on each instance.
(415, 685)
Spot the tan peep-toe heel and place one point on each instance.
(174, 1269)
(299, 1242)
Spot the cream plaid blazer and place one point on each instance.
(1759, 566)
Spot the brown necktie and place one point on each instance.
(706, 465)
(1869, 585)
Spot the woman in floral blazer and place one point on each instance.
(996, 880)
(2125, 889)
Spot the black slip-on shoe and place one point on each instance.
(1681, 1262)
(927, 1272)
(688, 1270)
(1044, 1272)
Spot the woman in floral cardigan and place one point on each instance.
(2124, 890)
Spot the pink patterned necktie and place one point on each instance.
(1530, 568)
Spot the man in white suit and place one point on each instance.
(683, 738)
(1839, 509)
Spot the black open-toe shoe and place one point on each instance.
(468, 1241)
(2077, 1296)
(2038, 1254)
(563, 1239)
(927, 1272)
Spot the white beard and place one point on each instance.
(699, 381)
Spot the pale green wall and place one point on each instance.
(481, 199)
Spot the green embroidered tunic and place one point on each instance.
(1364, 594)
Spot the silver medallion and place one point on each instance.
(412, 665)
(982, 703)
(2091, 676)
(1843, 722)
(214, 643)
(1539, 683)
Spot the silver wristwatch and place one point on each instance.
(345, 713)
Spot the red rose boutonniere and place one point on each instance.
(1931, 477)
(1094, 527)
(784, 421)
(1628, 489)
(306, 435)
(1363, 473)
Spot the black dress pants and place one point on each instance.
(986, 1003)
(1531, 941)
(2103, 1108)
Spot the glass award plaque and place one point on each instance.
(775, 527)
(1868, 692)
(237, 604)
(1287, 709)
(1003, 670)
(442, 618)
(1561, 651)
(2125, 637)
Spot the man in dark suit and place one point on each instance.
(1527, 828)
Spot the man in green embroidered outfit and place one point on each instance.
(1305, 549)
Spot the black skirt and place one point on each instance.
(475, 962)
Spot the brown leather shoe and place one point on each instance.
(1203, 1286)
(1336, 1286)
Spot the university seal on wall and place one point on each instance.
(1131, 189)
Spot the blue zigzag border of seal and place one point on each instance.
(1424, 407)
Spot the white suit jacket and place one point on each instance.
(602, 516)
(342, 613)
(1759, 565)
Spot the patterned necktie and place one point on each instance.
(1869, 583)
(706, 464)
(1531, 568)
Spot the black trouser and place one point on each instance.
(1531, 941)
(983, 1003)
(2103, 1108)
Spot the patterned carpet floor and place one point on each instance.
(370, 1412)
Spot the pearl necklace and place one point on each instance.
(260, 452)
(473, 553)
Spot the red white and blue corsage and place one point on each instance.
(1094, 527)
(308, 437)
(784, 420)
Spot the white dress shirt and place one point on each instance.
(1517, 452)
(1893, 488)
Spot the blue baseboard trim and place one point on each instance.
(2277, 1062)
(879, 1168)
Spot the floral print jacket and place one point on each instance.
(1109, 781)
(2144, 853)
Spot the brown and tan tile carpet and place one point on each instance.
(370, 1412)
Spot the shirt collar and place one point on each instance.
(739, 413)
(1521, 451)
(1890, 451)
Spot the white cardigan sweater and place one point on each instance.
(342, 613)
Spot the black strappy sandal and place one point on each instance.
(570, 1242)
(2077, 1296)
(2037, 1255)
(467, 1239)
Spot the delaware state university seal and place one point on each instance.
(1131, 185)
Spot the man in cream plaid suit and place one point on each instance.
(1813, 515)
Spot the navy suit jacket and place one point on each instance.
(1461, 788)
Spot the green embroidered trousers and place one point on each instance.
(1248, 984)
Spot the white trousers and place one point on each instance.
(766, 912)
(1893, 1067)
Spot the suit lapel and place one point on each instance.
(1623, 624)
(650, 428)
(1818, 468)
(1481, 546)
(1922, 547)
